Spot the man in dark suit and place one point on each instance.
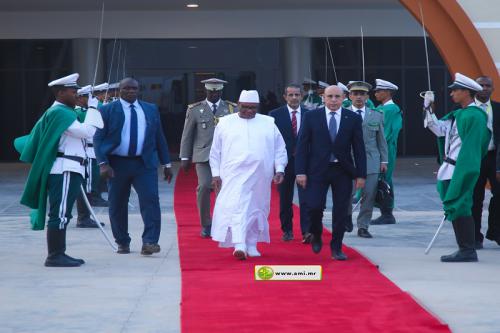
(489, 168)
(329, 139)
(288, 119)
(128, 150)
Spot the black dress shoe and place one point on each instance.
(316, 244)
(97, 201)
(123, 249)
(339, 255)
(362, 232)
(287, 236)
(461, 256)
(205, 231)
(307, 238)
(384, 219)
(87, 223)
(149, 248)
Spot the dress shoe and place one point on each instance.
(478, 245)
(384, 219)
(87, 223)
(149, 248)
(205, 231)
(60, 260)
(316, 244)
(461, 256)
(339, 255)
(348, 226)
(240, 252)
(97, 201)
(123, 249)
(252, 251)
(307, 238)
(362, 232)
(287, 236)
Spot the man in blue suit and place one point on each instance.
(288, 119)
(129, 149)
(329, 139)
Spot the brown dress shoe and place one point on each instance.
(149, 248)
(123, 249)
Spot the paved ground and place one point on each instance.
(130, 293)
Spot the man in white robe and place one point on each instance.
(247, 154)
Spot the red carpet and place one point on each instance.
(219, 293)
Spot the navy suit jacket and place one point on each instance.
(284, 123)
(154, 150)
(314, 146)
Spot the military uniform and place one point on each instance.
(376, 153)
(196, 142)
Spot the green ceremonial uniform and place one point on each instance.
(40, 150)
(457, 193)
(393, 122)
(312, 101)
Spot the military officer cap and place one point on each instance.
(101, 87)
(359, 86)
(309, 81)
(323, 84)
(84, 90)
(342, 86)
(67, 81)
(113, 86)
(464, 82)
(385, 85)
(214, 84)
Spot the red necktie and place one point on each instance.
(294, 123)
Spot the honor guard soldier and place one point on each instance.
(376, 151)
(466, 139)
(113, 92)
(100, 91)
(311, 100)
(91, 180)
(56, 150)
(393, 122)
(199, 126)
(321, 91)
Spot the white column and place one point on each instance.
(297, 59)
(84, 60)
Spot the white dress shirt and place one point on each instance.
(389, 102)
(122, 149)
(486, 107)
(363, 111)
(298, 115)
(211, 105)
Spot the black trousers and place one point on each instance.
(488, 172)
(286, 190)
(316, 191)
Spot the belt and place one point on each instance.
(90, 145)
(78, 159)
(450, 161)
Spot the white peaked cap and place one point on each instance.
(342, 86)
(308, 81)
(115, 85)
(67, 81)
(323, 84)
(384, 85)
(84, 90)
(101, 87)
(464, 82)
(249, 96)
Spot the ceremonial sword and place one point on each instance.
(331, 57)
(435, 235)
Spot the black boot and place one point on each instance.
(464, 234)
(56, 245)
(84, 220)
(80, 261)
(385, 218)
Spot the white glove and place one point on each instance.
(428, 98)
(92, 102)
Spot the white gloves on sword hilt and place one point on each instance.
(92, 102)
(428, 97)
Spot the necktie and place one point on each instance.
(360, 112)
(294, 123)
(132, 148)
(215, 108)
(484, 106)
(332, 128)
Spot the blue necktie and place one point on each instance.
(215, 108)
(332, 128)
(132, 148)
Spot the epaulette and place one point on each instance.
(231, 103)
(194, 104)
